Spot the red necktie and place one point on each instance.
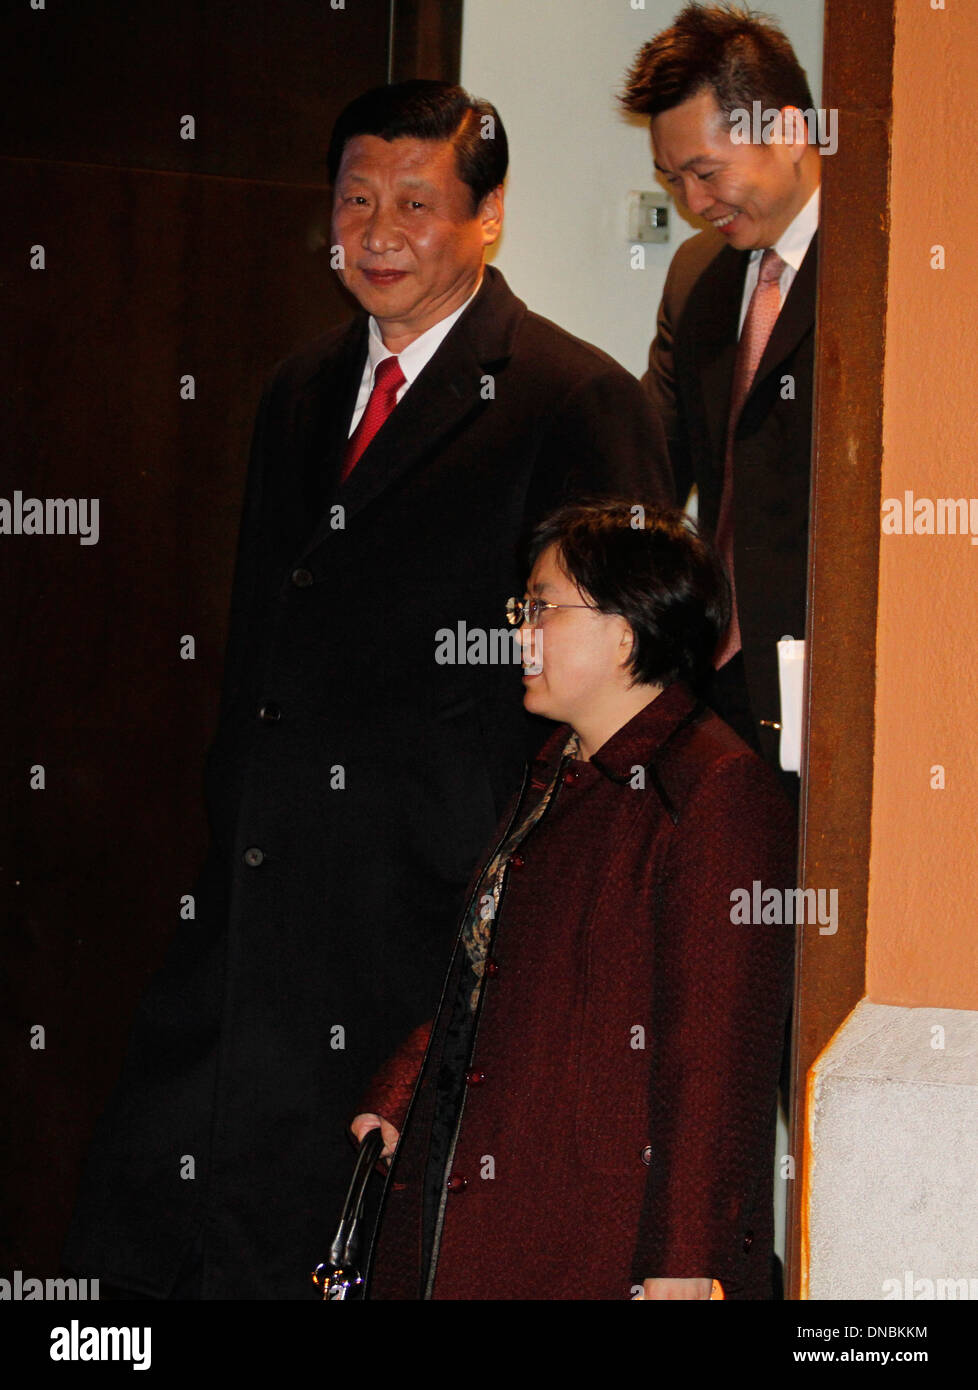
(388, 380)
(765, 304)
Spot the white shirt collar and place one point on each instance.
(418, 354)
(793, 243)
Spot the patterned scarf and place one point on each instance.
(478, 925)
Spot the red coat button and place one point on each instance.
(475, 1078)
(570, 778)
(456, 1183)
(492, 968)
(516, 860)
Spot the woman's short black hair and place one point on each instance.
(650, 565)
(422, 109)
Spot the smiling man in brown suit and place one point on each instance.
(739, 428)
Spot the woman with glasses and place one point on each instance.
(591, 1115)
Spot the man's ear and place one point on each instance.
(490, 216)
(794, 131)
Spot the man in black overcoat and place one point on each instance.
(737, 140)
(368, 737)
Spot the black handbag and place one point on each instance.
(338, 1275)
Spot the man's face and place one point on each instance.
(412, 245)
(750, 193)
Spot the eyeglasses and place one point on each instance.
(531, 610)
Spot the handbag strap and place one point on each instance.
(344, 1249)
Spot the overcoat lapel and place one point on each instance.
(447, 390)
(323, 408)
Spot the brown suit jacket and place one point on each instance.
(689, 379)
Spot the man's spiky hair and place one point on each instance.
(739, 55)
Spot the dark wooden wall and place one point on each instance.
(164, 257)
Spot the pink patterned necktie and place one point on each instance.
(388, 380)
(764, 307)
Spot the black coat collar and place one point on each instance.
(449, 388)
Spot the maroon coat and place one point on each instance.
(618, 1118)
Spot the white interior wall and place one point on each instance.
(553, 68)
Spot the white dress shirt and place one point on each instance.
(412, 359)
(791, 246)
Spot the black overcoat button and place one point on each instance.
(269, 712)
(301, 578)
(253, 857)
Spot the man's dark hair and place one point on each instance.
(425, 110)
(739, 55)
(649, 565)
